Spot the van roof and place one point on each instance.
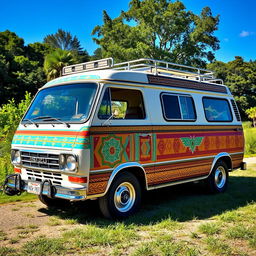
(146, 71)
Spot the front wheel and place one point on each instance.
(218, 180)
(123, 198)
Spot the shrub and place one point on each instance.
(250, 141)
(247, 125)
(10, 115)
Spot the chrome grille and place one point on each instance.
(40, 160)
(34, 175)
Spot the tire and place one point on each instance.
(53, 203)
(217, 182)
(123, 197)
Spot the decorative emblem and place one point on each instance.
(38, 160)
(111, 150)
(192, 142)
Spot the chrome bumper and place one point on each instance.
(60, 192)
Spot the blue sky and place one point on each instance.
(33, 20)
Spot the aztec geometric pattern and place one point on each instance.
(111, 150)
(159, 146)
(192, 142)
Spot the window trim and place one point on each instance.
(217, 121)
(110, 96)
(178, 95)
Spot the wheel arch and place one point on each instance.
(222, 156)
(133, 167)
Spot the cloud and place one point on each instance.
(246, 33)
(226, 40)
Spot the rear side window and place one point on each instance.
(217, 110)
(178, 107)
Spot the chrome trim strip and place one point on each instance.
(176, 183)
(178, 161)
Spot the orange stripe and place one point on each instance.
(66, 133)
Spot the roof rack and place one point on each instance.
(152, 66)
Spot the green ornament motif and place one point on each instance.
(111, 150)
(192, 142)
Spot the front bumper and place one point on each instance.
(59, 191)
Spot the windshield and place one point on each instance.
(65, 103)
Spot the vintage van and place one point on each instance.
(109, 131)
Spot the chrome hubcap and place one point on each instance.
(124, 197)
(220, 177)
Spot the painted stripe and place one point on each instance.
(166, 88)
(66, 133)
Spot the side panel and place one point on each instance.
(169, 153)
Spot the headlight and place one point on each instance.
(15, 157)
(71, 163)
(67, 163)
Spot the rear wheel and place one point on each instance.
(218, 180)
(123, 198)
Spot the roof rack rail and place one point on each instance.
(88, 66)
(156, 67)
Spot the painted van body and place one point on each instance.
(171, 139)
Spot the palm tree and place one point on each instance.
(55, 61)
(63, 40)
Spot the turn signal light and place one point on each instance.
(17, 170)
(77, 179)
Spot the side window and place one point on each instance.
(178, 107)
(105, 107)
(217, 110)
(122, 104)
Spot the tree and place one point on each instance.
(55, 61)
(63, 40)
(251, 112)
(163, 30)
(37, 51)
(240, 77)
(97, 54)
(19, 72)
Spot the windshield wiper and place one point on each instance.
(49, 118)
(29, 120)
(41, 117)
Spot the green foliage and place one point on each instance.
(240, 77)
(247, 125)
(250, 141)
(55, 61)
(20, 67)
(251, 112)
(63, 40)
(10, 115)
(163, 30)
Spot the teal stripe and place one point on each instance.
(72, 78)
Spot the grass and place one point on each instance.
(24, 197)
(181, 220)
(209, 228)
